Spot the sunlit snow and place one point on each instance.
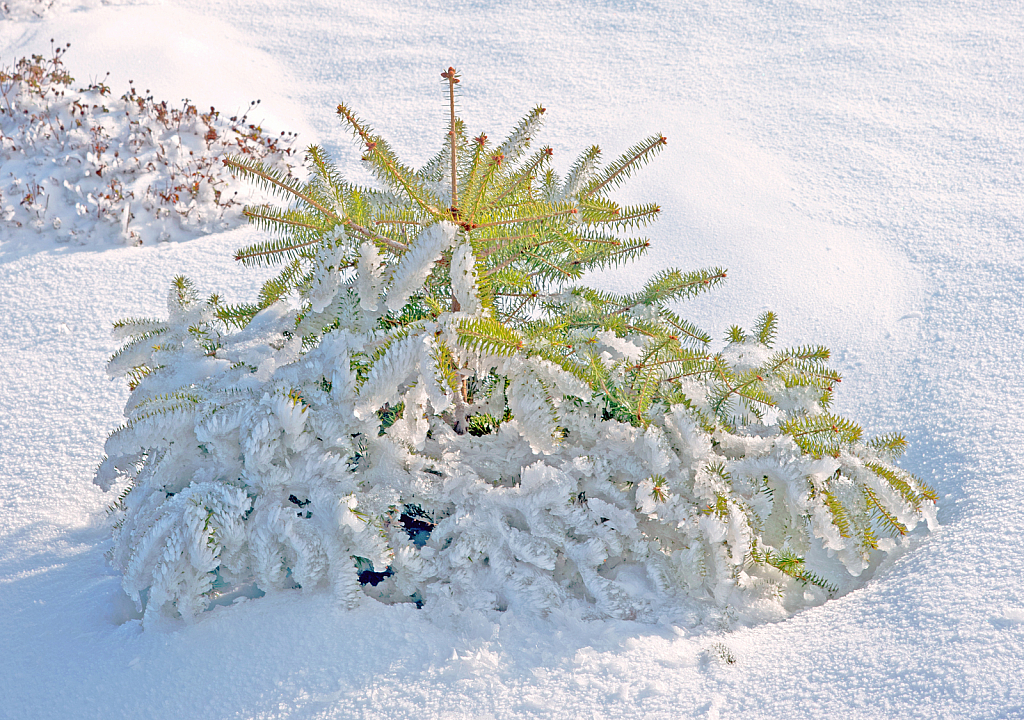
(855, 166)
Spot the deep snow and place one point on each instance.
(858, 168)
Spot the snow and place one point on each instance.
(856, 167)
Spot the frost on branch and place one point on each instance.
(424, 407)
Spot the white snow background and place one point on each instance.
(858, 167)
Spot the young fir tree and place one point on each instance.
(425, 405)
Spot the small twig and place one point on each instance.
(393, 244)
(534, 218)
(450, 76)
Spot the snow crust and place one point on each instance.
(856, 168)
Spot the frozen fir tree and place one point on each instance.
(427, 405)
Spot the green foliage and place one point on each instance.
(792, 565)
(765, 328)
(891, 445)
(822, 434)
(440, 322)
(490, 335)
(532, 236)
(530, 233)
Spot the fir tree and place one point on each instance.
(427, 405)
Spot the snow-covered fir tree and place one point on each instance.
(426, 406)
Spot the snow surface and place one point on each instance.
(858, 167)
